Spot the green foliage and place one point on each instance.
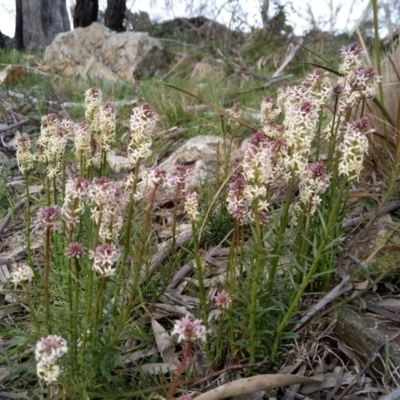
(282, 252)
(6, 173)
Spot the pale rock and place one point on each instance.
(116, 162)
(204, 70)
(102, 52)
(96, 69)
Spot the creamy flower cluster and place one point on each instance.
(313, 183)
(108, 120)
(108, 204)
(357, 81)
(88, 149)
(52, 143)
(104, 259)
(222, 299)
(319, 88)
(156, 176)
(192, 206)
(106, 201)
(47, 353)
(300, 127)
(234, 112)
(359, 84)
(21, 273)
(282, 151)
(143, 122)
(180, 176)
(269, 110)
(25, 158)
(239, 200)
(353, 148)
(75, 200)
(189, 330)
(75, 250)
(258, 170)
(49, 218)
(94, 137)
(352, 57)
(262, 164)
(93, 101)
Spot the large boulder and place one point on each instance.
(127, 55)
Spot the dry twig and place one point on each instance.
(371, 359)
(336, 292)
(253, 384)
(13, 126)
(9, 216)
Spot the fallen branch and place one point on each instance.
(254, 384)
(13, 126)
(165, 249)
(9, 216)
(395, 395)
(391, 206)
(371, 359)
(336, 292)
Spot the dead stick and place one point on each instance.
(391, 206)
(9, 215)
(13, 126)
(231, 368)
(371, 359)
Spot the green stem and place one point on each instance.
(331, 224)
(88, 313)
(28, 297)
(377, 47)
(54, 191)
(46, 280)
(172, 260)
(334, 131)
(69, 292)
(47, 191)
(219, 340)
(278, 244)
(90, 289)
(318, 136)
(76, 308)
(232, 262)
(305, 238)
(378, 62)
(96, 319)
(100, 292)
(28, 224)
(103, 162)
(198, 269)
(63, 179)
(259, 248)
(138, 267)
(130, 215)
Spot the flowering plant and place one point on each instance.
(282, 210)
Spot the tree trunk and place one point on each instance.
(114, 16)
(264, 13)
(85, 13)
(19, 26)
(2, 41)
(38, 22)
